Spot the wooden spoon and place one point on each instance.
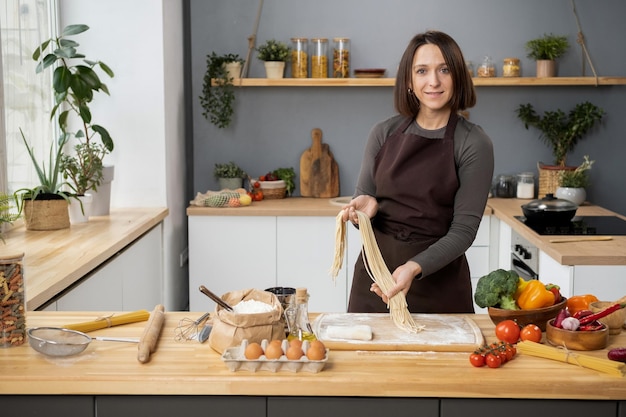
(581, 239)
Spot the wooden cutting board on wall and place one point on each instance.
(319, 172)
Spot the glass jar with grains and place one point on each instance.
(13, 301)
(510, 67)
(486, 68)
(341, 58)
(299, 58)
(319, 58)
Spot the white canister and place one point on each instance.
(525, 185)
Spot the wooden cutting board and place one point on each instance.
(442, 332)
(319, 173)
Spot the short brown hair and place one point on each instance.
(464, 95)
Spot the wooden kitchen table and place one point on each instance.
(191, 368)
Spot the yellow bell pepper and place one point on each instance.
(535, 295)
(521, 285)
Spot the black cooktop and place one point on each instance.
(581, 225)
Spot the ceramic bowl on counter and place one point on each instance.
(538, 316)
(577, 339)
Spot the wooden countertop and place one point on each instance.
(191, 368)
(291, 206)
(54, 260)
(612, 252)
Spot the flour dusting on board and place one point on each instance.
(442, 332)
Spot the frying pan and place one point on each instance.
(549, 211)
(59, 342)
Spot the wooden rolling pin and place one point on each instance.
(150, 336)
(581, 239)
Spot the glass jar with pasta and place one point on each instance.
(510, 67)
(299, 58)
(319, 58)
(341, 58)
(12, 300)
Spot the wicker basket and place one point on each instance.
(274, 193)
(550, 178)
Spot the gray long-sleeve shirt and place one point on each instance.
(473, 155)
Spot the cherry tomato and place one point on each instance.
(493, 360)
(477, 360)
(259, 195)
(262, 178)
(531, 332)
(257, 184)
(508, 331)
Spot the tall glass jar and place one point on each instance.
(319, 58)
(299, 58)
(12, 300)
(298, 317)
(510, 67)
(341, 58)
(526, 185)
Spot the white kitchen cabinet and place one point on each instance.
(230, 253)
(479, 255)
(130, 280)
(607, 282)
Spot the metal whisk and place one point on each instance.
(189, 329)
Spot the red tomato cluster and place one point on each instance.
(493, 355)
(256, 194)
(510, 332)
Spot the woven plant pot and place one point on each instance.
(550, 178)
(42, 214)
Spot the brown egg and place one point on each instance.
(294, 352)
(253, 351)
(315, 353)
(318, 344)
(273, 351)
(276, 342)
(295, 342)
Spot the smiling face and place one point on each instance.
(431, 81)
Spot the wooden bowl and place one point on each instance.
(614, 321)
(577, 340)
(538, 316)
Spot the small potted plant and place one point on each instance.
(274, 53)
(75, 84)
(574, 183)
(561, 132)
(8, 211)
(218, 91)
(45, 206)
(229, 176)
(545, 51)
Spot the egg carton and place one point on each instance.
(235, 360)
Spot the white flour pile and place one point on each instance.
(252, 307)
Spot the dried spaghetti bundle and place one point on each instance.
(376, 268)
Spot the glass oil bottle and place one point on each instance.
(297, 316)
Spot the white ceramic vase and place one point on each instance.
(230, 183)
(78, 215)
(233, 69)
(274, 69)
(101, 204)
(575, 195)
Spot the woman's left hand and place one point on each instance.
(403, 276)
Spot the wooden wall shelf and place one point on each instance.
(389, 82)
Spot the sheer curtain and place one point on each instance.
(25, 97)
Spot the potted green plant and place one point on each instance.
(274, 54)
(8, 211)
(561, 132)
(45, 206)
(573, 183)
(545, 51)
(75, 83)
(218, 91)
(229, 175)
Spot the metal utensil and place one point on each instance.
(215, 298)
(59, 342)
(189, 329)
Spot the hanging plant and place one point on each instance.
(218, 91)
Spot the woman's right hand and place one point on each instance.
(364, 203)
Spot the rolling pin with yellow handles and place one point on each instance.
(150, 336)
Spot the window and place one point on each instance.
(25, 97)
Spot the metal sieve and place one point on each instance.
(59, 342)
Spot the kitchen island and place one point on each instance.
(193, 376)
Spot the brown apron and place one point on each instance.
(416, 183)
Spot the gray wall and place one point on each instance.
(272, 126)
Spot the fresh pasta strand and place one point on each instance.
(377, 270)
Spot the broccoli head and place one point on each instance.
(496, 289)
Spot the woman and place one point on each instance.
(424, 182)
